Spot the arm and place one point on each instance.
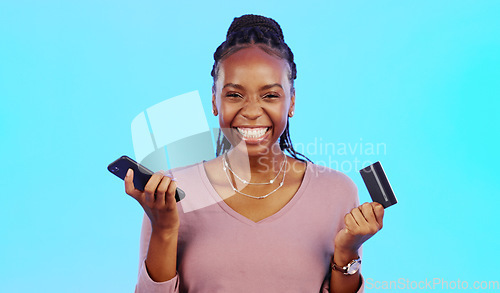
(147, 281)
(338, 281)
(159, 233)
(360, 225)
(161, 261)
(325, 288)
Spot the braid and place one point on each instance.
(250, 20)
(255, 29)
(265, 32)
(286, 144)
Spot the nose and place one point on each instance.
(252, 110)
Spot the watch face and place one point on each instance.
(353, 267)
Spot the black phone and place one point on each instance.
(141, 174)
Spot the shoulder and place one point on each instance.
(333, 184)
(186, 171)
(325, 175)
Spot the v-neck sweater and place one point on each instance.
(220, 250)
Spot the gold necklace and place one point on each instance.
(225, 164)
(252, 196)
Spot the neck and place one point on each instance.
(262, 167)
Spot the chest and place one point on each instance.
(253, 208)
(258, 209)
(218, 251)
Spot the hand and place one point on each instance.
(157, 200)
(360, 225)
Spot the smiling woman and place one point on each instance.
(254, 219)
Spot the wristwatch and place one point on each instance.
(350, 269)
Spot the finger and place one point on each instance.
(358, 217)
(151, 186)
(170, 196)
(350, 223)
(153, 182)
(130, 188)
(379, 211)
(368, 213)
(129, 183)
(161, 190)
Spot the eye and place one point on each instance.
(234, 95)
(271, 96)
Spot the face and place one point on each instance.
(253, 98)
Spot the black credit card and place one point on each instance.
(378, 185)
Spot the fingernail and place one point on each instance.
(129, 171)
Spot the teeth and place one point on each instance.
(253, 132)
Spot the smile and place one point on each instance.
(253, 133)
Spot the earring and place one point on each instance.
(291, 114)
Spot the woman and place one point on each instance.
(254, 219)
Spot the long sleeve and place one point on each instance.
(325, 288)
(353, 192)
(144, 282)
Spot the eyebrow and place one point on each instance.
(239, 86)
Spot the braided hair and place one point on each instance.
(266, 33)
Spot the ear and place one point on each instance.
(291, 110)
(214, 104)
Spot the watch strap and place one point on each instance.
(346, 269)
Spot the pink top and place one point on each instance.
(219, 250)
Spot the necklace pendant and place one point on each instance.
(272, 180)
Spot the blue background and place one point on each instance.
(420, 77)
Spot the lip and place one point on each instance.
(251, 126)
(253, 140)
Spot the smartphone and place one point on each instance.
(378, 185)
(141, 174)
